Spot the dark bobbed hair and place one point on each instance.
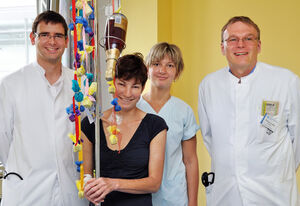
(243, 19)
(50, 17)
(132, 66)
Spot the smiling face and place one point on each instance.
(128, 93)
(241, 54)
(162, 73)
(49, 50)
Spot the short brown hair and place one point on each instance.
(52, 17)
(243, 19)
(132, 66)
(160, 50)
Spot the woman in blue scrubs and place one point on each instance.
(180, 178)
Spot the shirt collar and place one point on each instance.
(42, 72)
(244, 79)
(248, 74)
(56, 87)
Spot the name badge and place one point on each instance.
(269, 107)
(270, 123)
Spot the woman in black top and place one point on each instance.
(132, 170)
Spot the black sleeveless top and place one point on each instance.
(131, 162)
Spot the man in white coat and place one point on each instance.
(34, 144)
(249, 115)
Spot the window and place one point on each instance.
(16, 17)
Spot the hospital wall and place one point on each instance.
(194, 25)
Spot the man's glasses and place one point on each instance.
(47, 36)
(233, 41)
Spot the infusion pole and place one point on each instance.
(98, 94)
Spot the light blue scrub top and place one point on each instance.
(182, 125)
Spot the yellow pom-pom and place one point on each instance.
(88, 10)
(93, 88)
(81, 194)
(109, 129)
(86, 102)
(80, 71)
(110, 82)
(79, 5)
(78, 185)
(72, 137)
(82, 55)
(112, 128)
(89, 49)
(80, 191)
(113, 139)
(112, 89)
(77, 148)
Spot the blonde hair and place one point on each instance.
(160, 50)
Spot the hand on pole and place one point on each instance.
(95, 190)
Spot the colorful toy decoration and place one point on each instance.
(83, 99)
(82, 30)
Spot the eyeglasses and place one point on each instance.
(47, 36)
(233, 41)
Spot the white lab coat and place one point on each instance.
(251, 167)
(33, 139)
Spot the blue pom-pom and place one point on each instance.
(80, 45)
(88, 29)
(75, 86)
(78, 96)
(79, 20)
(78, 163)
(117, 108)
(69, 110)
(84, 22)
(80, 13)
(114, 101)
(90, 76)
(92, 16)
(71, 26)
(82, 108)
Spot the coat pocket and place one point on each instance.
(12, 190)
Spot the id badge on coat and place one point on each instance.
(270, 123)
(270, 108)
